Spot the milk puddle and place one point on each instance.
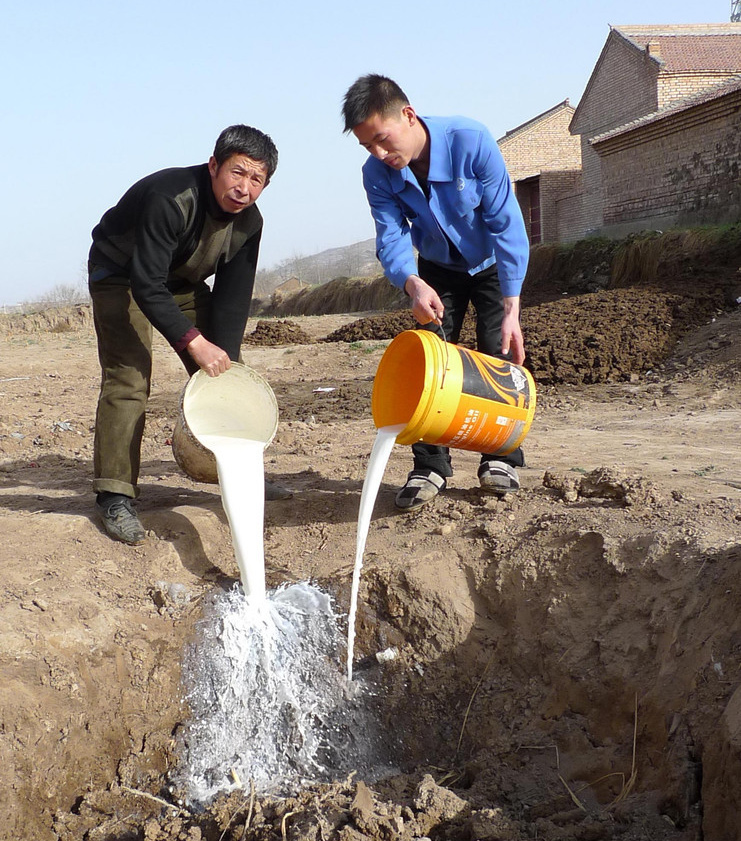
(270, 704)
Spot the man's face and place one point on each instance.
(238, 182)
(396, 139)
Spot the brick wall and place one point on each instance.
(683, 169)
(546, 144)
(524, 197)
(622, 88)
(553, 186)
(543, 149)
(570, 217)
(676, 86)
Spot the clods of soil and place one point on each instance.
(281, 332)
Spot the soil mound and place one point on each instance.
(600, 337)
(374, 327)
(273, 333)
(611, 335)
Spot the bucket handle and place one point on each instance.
(447, 357)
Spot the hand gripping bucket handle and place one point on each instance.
(448, 395)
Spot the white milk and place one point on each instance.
(239, 462)
(268, 703)
(379, 457)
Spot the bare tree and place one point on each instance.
(61, 295)
(290, 267)
(265, 282)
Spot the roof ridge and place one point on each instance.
(548, 111)
(680, 28)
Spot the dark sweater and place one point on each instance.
(166, 234)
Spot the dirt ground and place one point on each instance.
(569, 658)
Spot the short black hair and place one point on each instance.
(371, 94)
(245, 140)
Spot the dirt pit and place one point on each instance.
(569, 657)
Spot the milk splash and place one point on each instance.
(382, 447)
(269, 702)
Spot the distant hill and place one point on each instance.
(356, 260)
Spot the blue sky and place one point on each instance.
(96, 95)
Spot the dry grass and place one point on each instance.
(544, 260)
(627, 783)
(342, 295)
(641, 258)
(636, 261)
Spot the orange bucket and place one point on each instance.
(448, 395)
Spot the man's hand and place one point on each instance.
(512, 340)
(209, 357)
(426, 303)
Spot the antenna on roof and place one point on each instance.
(735, 11)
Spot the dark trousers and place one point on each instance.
(125, 352)
(456, 290)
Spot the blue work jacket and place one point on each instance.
(471, 204)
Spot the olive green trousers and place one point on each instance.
(125, 352)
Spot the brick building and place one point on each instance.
(641, 71)
(679, 165)
(293, 284)
(544, 162)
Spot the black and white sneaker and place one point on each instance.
(421, 487)
(498, 477)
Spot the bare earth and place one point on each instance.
(569, 658)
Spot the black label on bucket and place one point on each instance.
(490, 379)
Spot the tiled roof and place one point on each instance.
(689, 47)
(707, 95)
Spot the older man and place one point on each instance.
(148, 264)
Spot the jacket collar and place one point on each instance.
(441, 165)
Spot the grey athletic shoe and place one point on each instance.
(498, 477)
(421, 487)
(120, 519)
(275, 491)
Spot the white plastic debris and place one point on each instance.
(387, 655)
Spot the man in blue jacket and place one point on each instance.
(439, 184)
